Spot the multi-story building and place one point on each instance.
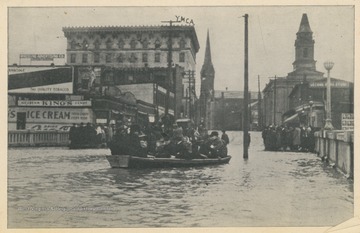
(130, 49)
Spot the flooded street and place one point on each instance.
(57, 187)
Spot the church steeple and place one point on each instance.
(304, 46)
(207, 71)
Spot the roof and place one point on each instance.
(117, 29)
(304, 24)
(234, 94)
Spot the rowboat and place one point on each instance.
(128, 161)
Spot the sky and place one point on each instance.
(272, 34)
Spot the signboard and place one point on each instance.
(52, 115)
(42, 57)
(55, 103)
(40, 80)
(334, 83)
(347, 121)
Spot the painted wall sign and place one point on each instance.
(347, 121)
(55, 103)
(52, 115)
(42, 57)
(339, 84)
(40, 80)
(182, 19)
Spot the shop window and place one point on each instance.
(182, 57)
(157, 57)
(73, 58)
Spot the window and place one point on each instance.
(120, 58)
(157, 57)
(182, 43)
(84, 58)
(182, 57)
(145, 43)
(108, 44)
(157, 44)
(144, 57)
(85, 45)
(305, 52)
(108, 58)
(121, 44)
(133, 58)
(73, 58)
(133, 44)
(96, 58)
(73, 44)
(97, 44)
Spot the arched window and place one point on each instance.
(121, 43)
(182, 43)
(133, 44)
(97, 44)
(157, 44)
(109, 44)
(73, 44)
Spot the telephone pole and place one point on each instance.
(171, 82)
(275, 100)
(246, 95)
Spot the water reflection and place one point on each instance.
(268, 189)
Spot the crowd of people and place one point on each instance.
(90, 135)
(284, 138)
(164, 142)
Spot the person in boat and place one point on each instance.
(214, 147)
(136, 141)
(225, 137)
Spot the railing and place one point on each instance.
(17, 138)
(336, 147)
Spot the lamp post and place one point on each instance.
(311, 103)
(328, 125)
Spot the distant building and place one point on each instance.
(228, 109)
(276, 92)
(207, 76)
(308, 100)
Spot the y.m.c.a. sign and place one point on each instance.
(182, 19)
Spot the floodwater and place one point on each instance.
(57, 187)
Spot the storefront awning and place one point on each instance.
(294, 118)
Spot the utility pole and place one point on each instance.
(246, 95)
(170, 77)
(259, 106)
(275, 100)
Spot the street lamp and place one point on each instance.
(311, 103)
(328, 125)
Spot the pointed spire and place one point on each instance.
(304, 25)
(207, 59)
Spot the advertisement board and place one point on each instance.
(40, 80)
(66, 116)
(55, 103)
(347, 121)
